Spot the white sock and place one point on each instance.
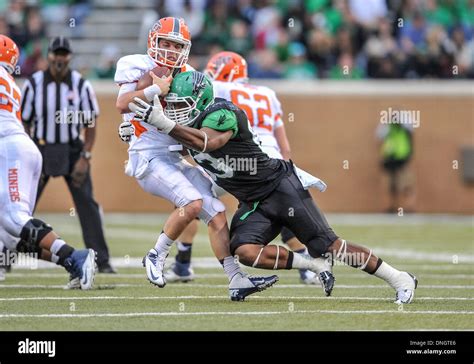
(163, 244)
(181, 247)
(54, 258)
(57, 244)
(316, 265)
(388, 274)
(231, 267)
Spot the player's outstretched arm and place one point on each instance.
(202, 140)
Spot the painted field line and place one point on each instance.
(444, 260)
(198, 285)
(355, 275)
(61, 286)
(193, 297)
(236, 313)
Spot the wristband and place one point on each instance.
(205, 142)
(151, 91)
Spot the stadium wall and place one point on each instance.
(331, 127)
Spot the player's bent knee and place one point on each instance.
(13, 223)
(211, 208)
(319, 246)
(31, 235)
(247, 254)
(193, 209)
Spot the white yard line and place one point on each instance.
(198, 285)
(359, 219)
(355, 275)
(444, 261)
(236, 313)
(177, 298)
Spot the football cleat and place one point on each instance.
(154, 264)
(82, 267)
(242, 286)
(308, 277)
(327, 282)
(179, 272)
(406, 291)
(74, 283)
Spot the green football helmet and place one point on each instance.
(190, 94)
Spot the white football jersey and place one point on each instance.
(10, 114)
(147, 139)
(259, 103)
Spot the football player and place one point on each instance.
(228, 71)
(157, 165)
(20, 170)
(219, 137)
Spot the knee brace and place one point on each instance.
(32, 233)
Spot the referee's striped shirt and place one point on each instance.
(56, 112)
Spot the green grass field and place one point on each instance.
(440, 252)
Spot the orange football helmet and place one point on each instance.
(227, 67)
(9, 53)
(174, 30)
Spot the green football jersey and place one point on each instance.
(240, 167)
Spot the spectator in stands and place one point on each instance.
(108, 59)
(264, 64)
(216, 24)
(298, 66)
(240, 41)
(320, 51)
(370, 32)
(346, 69)
(463, 54)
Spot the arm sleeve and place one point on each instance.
(222, 120)
(27, 102)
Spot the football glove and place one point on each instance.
(152, 115)
(125, 131)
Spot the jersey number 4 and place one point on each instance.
(241, 98)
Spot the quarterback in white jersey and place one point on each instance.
(156, 163)
(20, 170)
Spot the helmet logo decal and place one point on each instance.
(198, 83)
(157, 26)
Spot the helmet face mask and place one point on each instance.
(181, 110)
(190, 94)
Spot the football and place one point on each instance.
(146, 80)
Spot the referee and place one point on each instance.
(58, 106)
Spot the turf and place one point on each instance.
(439, 254)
